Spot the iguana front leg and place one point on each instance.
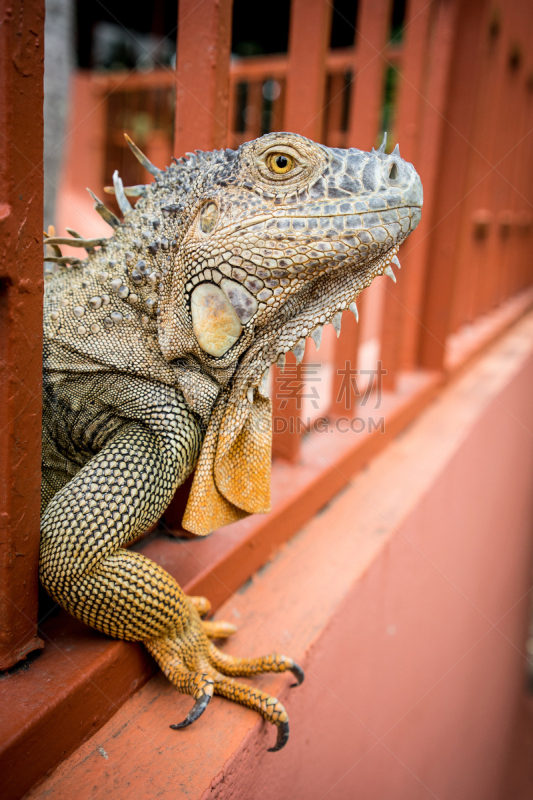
(117, 495)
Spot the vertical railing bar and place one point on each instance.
(398, 324)
(278, 109)
(202, 81)
(310, 25)
(343, 398)
(21, 323)
(371, 41)
(253, 110)
(439, 25)
(447, 215)
(478, 229)
(515, 166)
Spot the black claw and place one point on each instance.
(196, 711)
(283, 737)
(298, 674)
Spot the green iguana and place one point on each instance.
(157, 347)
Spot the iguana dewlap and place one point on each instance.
(156, 351)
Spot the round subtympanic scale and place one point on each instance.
(214, 320)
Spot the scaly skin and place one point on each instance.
(156, 352)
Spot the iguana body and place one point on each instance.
(156, 348)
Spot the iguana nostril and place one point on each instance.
(393, 171)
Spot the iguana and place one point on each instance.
(157, 347)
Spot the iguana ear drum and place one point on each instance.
(214, 320)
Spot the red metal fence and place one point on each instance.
(456, 91)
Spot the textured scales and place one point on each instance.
(157, 347)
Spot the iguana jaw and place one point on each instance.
(304, 316)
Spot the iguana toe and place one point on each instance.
(218, 630)
(283, 738)
(196, 711)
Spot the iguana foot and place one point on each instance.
(196, 667)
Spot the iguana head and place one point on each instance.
(275, 240)
(237, 257)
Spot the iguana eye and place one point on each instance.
(280, 163)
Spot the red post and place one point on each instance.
(431, 135)
(444, 223)
(286, 410)
(369, 70)
(476, 248)
(253, 111)
(278, 108)
(399, 324)
(371, 39)
(309, 34)
(21, 296)
(202, 75)
(335, 100)
(345, 359)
